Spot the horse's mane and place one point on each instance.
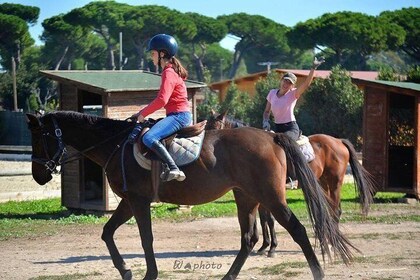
(88, 121)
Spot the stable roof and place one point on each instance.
(403, 87)
(105, 81)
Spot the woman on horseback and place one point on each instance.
(281, 103)
(172, 96)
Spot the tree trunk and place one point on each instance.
(57, 66)
(237, 56)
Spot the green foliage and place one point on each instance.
(33, 207)
(333, 106)
(413, 74)
(387, 73)
(217, 61)
(409, 20)
(14, 35)
(29, 14)
(210, 103)
(28, 83)
(257, 35)
(236, 103)
(347, 38)
(397, 60)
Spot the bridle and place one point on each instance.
(51, 164)
(57, 160)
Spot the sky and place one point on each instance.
(288, 13)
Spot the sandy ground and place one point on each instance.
(202, 249)
(205, 249)
(22, 186)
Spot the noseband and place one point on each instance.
(51, 164)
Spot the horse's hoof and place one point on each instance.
(260, 252)
(271, 254)
(128, 275)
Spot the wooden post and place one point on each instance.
(15, 106)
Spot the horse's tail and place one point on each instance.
(363, 181)
(321, 215)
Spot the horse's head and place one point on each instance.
(223, 121)
(47, 147)
(216, 121)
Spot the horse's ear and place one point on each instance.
(39, 113)
(32, 119)
(222, 116)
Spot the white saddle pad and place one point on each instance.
(182, 150)
(306, 148)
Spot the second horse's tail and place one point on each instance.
(363, 181)
(323, 222)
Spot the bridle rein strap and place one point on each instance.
(52, 163)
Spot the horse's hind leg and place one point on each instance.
(264, 228)
(120, 216)
(273, 245)
(298, 232)
(247, 210)
(267, 225)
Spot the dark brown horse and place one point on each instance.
(249, 161)
(332, 156)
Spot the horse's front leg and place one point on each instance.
(120, 216)
(141, 210)
(247, 210)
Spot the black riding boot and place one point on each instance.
(174, 172)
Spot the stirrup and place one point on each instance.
(169, 175)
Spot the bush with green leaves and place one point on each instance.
(236, 103)
(413, 74)
(333, 106)
(387, 73)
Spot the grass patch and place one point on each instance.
(40, 217)
(283, 269)
(74, 276)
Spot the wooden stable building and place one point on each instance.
(111, 94)
(391, 135)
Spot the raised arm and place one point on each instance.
(303, 87)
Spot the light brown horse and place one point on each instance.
(249, 161)
(332, 156)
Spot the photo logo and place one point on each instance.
(181, 265)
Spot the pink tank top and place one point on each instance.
(282, 107)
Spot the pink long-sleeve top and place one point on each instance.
(172, 94)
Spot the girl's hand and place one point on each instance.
(140, 118)
(317, 62)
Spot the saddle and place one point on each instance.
(184, 146)
(306, 148)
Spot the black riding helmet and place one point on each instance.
(163, 42)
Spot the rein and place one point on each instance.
(51, 164)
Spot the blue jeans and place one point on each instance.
(291, 129)
(167, 126)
